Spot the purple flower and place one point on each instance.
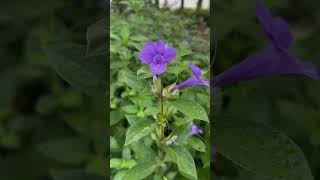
(157, 55)
(169, 142)
(190, 40)
(273, 60)
(195, 130)
(195, 80)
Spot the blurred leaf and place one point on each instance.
(260, 149)
(67, 150)
(97, 36)
(88, 73)
(73, 174)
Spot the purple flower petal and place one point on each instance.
(268, 62)
(169, 54)
(196, 71)
(195, 130)
(193, 81)
(157, 69)
(146, 55)
(160, 47)
(277, 30)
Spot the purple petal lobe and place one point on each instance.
(277, 30)
(169, 54)
(193, 81)
(160, 46)
(157, 69)
(282, 33)
(196, 71)
(268, 62)
(146, 55)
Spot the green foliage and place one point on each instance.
(49, 127)
(138, 125)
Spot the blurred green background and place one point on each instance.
(48, 129)
(290, 104)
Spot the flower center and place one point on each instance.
(158, 60)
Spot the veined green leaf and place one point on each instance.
(138, 131)
(184, 160)
(197, 144)
(191, 108)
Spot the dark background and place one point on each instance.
(288, 103)
(48, 129)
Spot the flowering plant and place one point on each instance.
(159, 97)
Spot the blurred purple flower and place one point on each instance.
(273, 60)
(169, 142)
(157, 55)
(195, 130)
(195, 80)
(189, 40)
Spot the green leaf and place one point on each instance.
(119, 175)
(132, 119)
(197, 144)
(184, 160)
(68, 150)
(191, 108)
(140, 171)
(140, 85)
(142, 152)
(87, 73)
(115, 163)
(115, 117)
(97, 35)
(260, 149)
(114, 146)
(144, 72)
(130, 109)
(138, 131)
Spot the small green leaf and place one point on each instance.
(140, 171)
(138, 131)
(115, 163)
(197, 144)
(184, 160)
(191, 108)
(130, 109)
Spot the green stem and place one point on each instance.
(161, 152)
